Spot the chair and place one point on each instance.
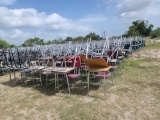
(100, 66)
(76, 62)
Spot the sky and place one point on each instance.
(53, 19)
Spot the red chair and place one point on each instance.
(76, 62)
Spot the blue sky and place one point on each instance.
(52, 19)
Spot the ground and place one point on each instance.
(135, 95)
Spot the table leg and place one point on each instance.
(40, 75)
(104, 86)
(88, 80)
(46, 79)
(58, 82)
(15, 75)
(68, 85)
(33, 76)
(10, 74)
(55, 81)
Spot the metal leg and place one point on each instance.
(88, 80)
(10, 74)
(68, 85)
(104, 86)
(14, 75)
(46, 79)
(58, 82)
(55, 81)
(25, 79)
(40, 75)
(33, 76)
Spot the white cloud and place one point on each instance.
(30, 18)
(18, 25)
(138, 9)
(7, 2)
(15, 36)
(18, 34)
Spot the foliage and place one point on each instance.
(92, 36)
(49, 42)
(79, 38)
(139, 27)
(33, 41)
(12, 46)
(69, 39)
(4, 44)
(155, 33)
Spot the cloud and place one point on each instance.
(14, 36)
(18, 25)
(138, 9)
(30, 18)
(7, 2)
(18, 34)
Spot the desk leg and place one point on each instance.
(88, 80)
(104, 86)
(10, 74)
(68, 85)
(33, 76)
(14, 75)
(58, 82)
(40, 76)
(55, 81)
(46, 79)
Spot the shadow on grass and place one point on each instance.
(77, 88)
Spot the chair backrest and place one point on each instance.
(50, 63)
(76, 62)
(33, 63)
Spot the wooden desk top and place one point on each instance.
(59, 69)
(98, 69)
(36, 67)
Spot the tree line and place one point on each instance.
(138, 28)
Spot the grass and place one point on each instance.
(136, 95)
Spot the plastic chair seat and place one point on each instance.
(102, 75)
(73, 75)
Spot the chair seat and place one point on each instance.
(25, 71)
(73, 75)
(102, 75)
(113, 67)
(3, 68)
(120, 57)
(113, 60)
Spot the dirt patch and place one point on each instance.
(146, 53)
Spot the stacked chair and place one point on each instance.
(112, 51)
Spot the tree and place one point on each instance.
(33, 41)
(12, 46)
(79, 38)
(4, 44)
(92, 36)
(49, 42)
(139, 27)
(69, 39)
(155, 33)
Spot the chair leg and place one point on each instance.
(104, 82)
